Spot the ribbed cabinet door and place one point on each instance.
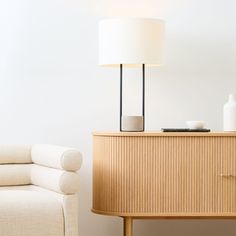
(228, 175)
(151, 175)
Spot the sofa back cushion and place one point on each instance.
(15, 174)
(15, 154)
(64, 158)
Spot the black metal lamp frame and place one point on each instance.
(121, 95)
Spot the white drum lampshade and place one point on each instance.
(131, 42)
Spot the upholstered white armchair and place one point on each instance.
(38, 190)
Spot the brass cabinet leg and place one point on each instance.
(128, 226)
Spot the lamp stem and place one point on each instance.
(143, 95)
(143, 98)
(121, 94)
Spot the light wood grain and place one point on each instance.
(128, 226)
(175, 215)
(165, 175)
(163, 134)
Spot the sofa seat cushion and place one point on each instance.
(30, 213)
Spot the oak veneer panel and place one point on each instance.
(161, 175)
(165, 134)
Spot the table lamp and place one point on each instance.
(131, 42)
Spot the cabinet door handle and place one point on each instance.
(226, 175)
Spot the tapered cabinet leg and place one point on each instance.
(128, 226)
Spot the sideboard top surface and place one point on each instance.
(159, 133)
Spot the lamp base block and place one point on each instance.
(132, 124)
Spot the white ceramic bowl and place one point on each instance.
(195, 124)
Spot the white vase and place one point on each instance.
(230, 114)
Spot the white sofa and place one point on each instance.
(38, 190)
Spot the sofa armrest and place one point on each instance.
(60, 181)
(64, 158)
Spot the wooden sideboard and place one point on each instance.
(164, 175)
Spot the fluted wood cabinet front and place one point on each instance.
(165, 174)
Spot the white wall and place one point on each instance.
(52, 91)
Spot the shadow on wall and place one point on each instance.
(198, 56)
